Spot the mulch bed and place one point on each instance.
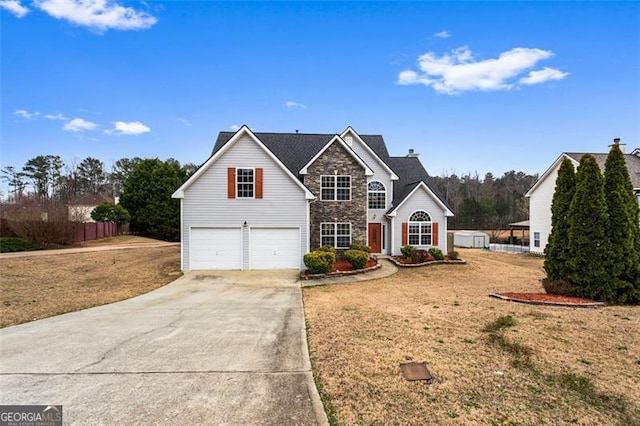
(342, 267)
(548, 299)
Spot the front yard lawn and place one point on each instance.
(43, 286)
(493, 362)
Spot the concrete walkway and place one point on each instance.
(205, 349)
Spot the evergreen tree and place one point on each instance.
(146, 195)
(557, 253)
(623, 229)
(588, 242)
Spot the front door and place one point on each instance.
(375, 237)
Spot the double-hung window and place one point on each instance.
(335, 234)
(420, 229)
(245, 183)
(335, 188)
(377, 195)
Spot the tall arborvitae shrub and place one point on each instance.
(623, 229)
(588, 243)
(557, 253)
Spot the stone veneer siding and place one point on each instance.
(336, 160)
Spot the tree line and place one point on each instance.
(488, 203)
(143, 185)
(48, 178)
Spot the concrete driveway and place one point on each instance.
(205, 349)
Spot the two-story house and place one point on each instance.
(541, 194)
(263, 200)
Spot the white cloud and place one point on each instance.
(234, 127)
(291, 104)
(100, 15)
(79, 125)
(131, 128)
(443, 34)
(26, 114)
(458, 71)
(57, 116)
(545, 74)
(14, 7)
(183, 121)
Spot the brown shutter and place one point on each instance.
(259, 183)
(434, 234)
(405, 233)
(231, 182)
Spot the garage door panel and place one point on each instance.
(275, 248)
(215, 248)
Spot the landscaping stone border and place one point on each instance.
(592, 305)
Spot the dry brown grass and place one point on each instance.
(43, 286)
(359, 334)
(118, 240)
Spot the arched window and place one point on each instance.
(420, 228)
(377, 195)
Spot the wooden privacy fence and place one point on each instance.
(95, 230)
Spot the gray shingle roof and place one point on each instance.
(295, 150)
(410, 172)
(633, 164)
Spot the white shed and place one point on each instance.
(471, 239)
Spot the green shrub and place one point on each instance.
(407, 251)
(318, 262)
(328, 256)
(8, 244)
(357, 258)
(327, 248)
(436, 253)
(361, 247)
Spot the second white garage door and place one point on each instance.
(274, 248)
(215, 248)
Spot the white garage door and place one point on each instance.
(275, 248)
(215, 248)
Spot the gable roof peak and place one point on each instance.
(345, 146)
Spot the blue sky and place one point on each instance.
(470, 86)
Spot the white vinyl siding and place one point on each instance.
(540, 210)
(420, 200)
(205, 202)
(379, 174)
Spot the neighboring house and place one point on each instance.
(541, 194)
(263, 200)
(80, 208)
